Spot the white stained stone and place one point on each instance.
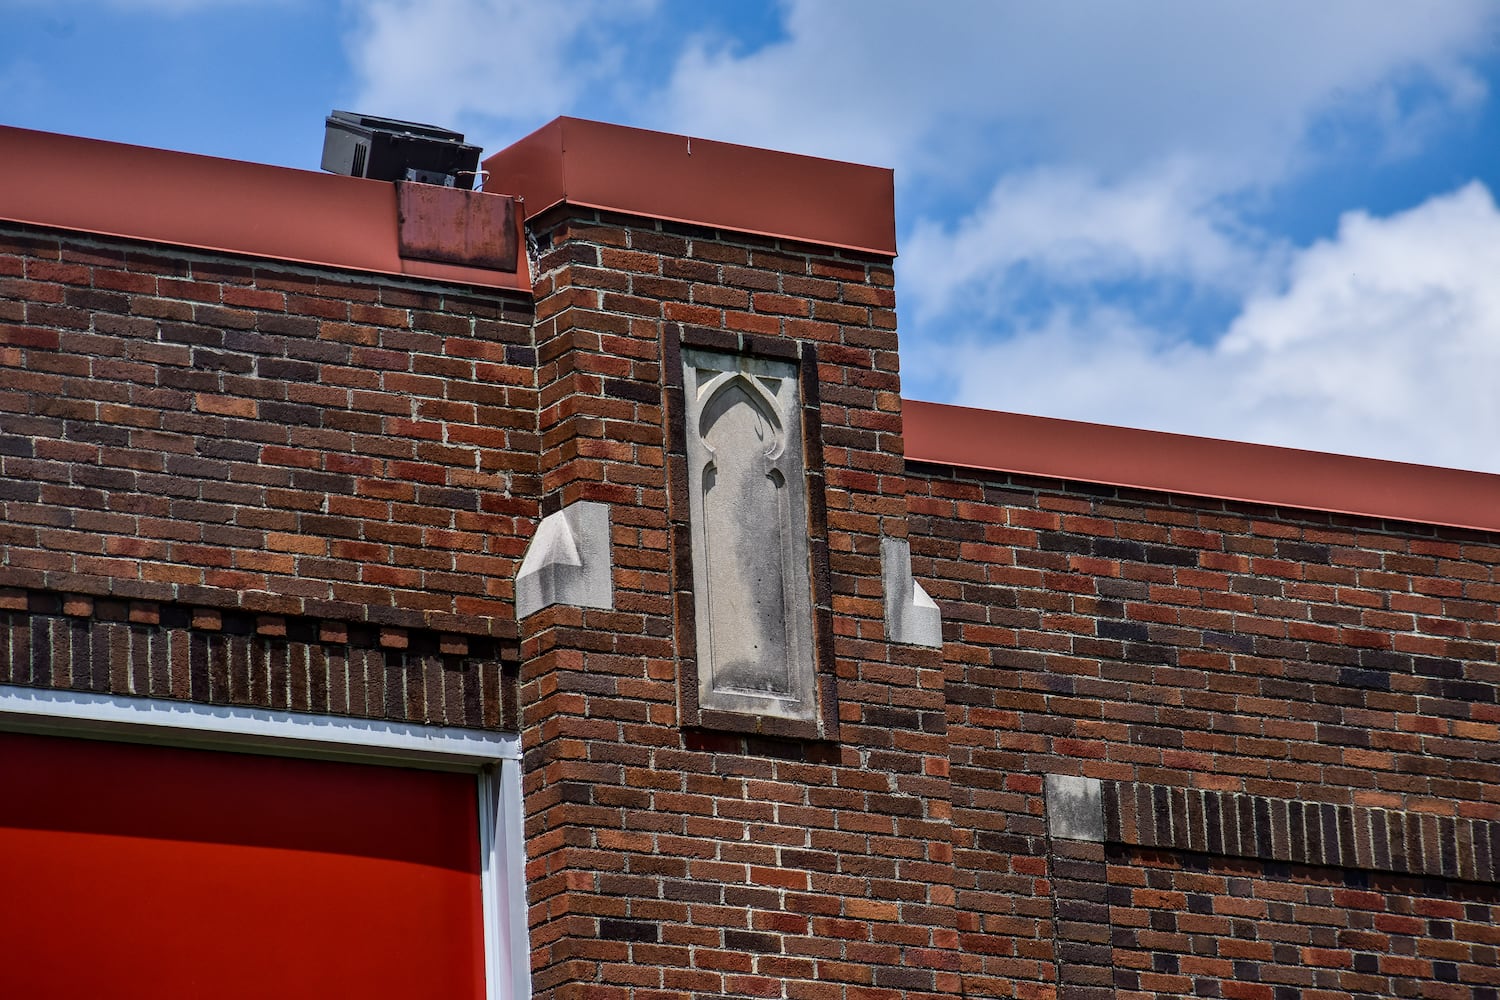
(568, 561)
(1075, 807)
(748, 504)
(911, 617)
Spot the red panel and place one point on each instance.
(143, 872)
(457, 226)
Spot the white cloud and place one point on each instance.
(936, 88)
(1067, 227)
(510, 61)
(1384, 341)
(1110, 85)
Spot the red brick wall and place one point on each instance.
(1182, 926)
(1159, 643)
(235, 481)
(188, 428)
(184, 436)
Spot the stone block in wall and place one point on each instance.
(911, 617)
(1075, 809)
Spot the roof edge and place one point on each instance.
(218, 205)
(704, 182)
(1049, 447)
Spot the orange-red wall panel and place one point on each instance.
(134, 871)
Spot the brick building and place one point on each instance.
(418, 592)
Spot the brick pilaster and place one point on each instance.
(670, 860)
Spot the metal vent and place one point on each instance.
(385, 149)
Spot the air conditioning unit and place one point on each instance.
(385, 149)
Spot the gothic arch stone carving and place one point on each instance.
(748, 507)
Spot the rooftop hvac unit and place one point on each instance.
(385, 149)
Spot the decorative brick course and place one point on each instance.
(202, 655)
(1311, 833)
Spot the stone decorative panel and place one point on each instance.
(748, 510)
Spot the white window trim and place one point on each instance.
(494, 758)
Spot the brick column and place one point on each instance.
(668, 859)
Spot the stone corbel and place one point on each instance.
(568, 561)
(911, 617)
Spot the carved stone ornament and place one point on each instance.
(568, 561)
(748, 508)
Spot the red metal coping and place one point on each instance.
(1203, 467)
(208, 203)
(699, 181)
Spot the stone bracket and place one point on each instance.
(568, 561)
(911, 617)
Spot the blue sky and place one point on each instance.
(1269, 221)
